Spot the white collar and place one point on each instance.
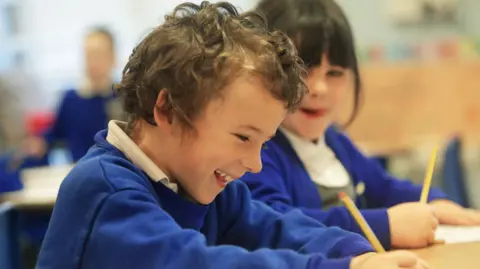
(305, 147)
(118, 138)
(319, 160)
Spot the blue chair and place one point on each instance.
(30, 225)
(9, 238)
(10, 175)
(453, 178)
(9, 179)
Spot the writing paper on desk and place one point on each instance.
(458, 234)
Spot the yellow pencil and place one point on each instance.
(428, 177)
(352, 208)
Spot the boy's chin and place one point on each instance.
(205, 199)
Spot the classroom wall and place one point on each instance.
(51, 38)
(372, 25)
(52, 32)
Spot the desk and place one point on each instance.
(452, 256)
(41, 187)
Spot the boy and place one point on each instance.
(157, 191)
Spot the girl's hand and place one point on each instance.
(389, 260)
(412, 225)
(450, 213)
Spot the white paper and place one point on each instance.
(458, 234)
(44, 176)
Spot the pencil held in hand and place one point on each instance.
(352, 208)
(428, 177)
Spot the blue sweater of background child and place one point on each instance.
(109, 214)
(285, 184)
(77, 121)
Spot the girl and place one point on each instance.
(310, 160)
(157, 191)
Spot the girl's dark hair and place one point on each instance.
(197, 52)
(316, 27)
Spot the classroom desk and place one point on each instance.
(41, 187)
(452, 256)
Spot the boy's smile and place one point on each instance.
(222, 178)
(226, 141)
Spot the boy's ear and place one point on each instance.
(163, 111)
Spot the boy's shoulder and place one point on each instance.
(97, 183)
(103, 172)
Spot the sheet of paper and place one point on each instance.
(54, 173)
(458, 234)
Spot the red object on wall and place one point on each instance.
(376, 54)
(447, 49)
(38, 122)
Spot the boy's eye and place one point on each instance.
(243, 138)
(335, 73)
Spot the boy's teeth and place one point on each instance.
(225, 176)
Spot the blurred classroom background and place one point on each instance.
(420, 65)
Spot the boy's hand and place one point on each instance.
(450, 213)
(389, 260)
(412, 225)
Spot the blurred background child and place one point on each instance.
(86, 110)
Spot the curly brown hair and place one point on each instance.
(197, 51)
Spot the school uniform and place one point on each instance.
(117, 209)
(296, 176)
(80, 115)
